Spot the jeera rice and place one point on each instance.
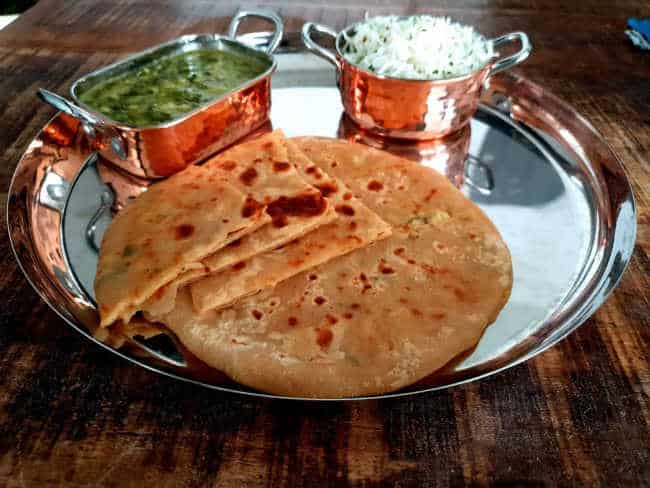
(418, 47)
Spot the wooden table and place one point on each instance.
(72, 414)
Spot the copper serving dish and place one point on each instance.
(160, 150)
(408, 108)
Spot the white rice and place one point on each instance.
(418, 47)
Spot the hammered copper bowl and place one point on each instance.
(158, 151)
(406, 108)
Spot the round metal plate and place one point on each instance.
(544, 176)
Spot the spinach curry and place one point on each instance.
(170, 87)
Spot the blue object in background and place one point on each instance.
(639, 32)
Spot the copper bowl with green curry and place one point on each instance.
(163, 109)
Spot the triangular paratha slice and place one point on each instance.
(169, 229)
(164, 232)
(294, 206)
(356, 227)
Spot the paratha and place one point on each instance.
(373, 320)
(164, 232)
(300, 209)
(356, 227)
(268, 238)
(169, 229)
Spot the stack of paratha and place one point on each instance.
(306, 267)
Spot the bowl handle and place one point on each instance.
(513, 60)
(317, 49)
(91, 123)
(265, 14)
(70, 108)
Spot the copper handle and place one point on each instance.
(65, 105)
(513, 60)
(317, 49)
(92, 124)
(265, 14)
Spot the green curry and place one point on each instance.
(169, 87)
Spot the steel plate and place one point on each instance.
(545, 177)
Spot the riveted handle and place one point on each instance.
(265, 14)
(70, 108)
(316, 48)
(514, 59)
(93, 124)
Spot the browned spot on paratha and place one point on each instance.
(248, 176)
(183, 231)
(375, 185)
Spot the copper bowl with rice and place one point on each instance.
(413, 107)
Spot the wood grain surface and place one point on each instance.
(577, 415)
